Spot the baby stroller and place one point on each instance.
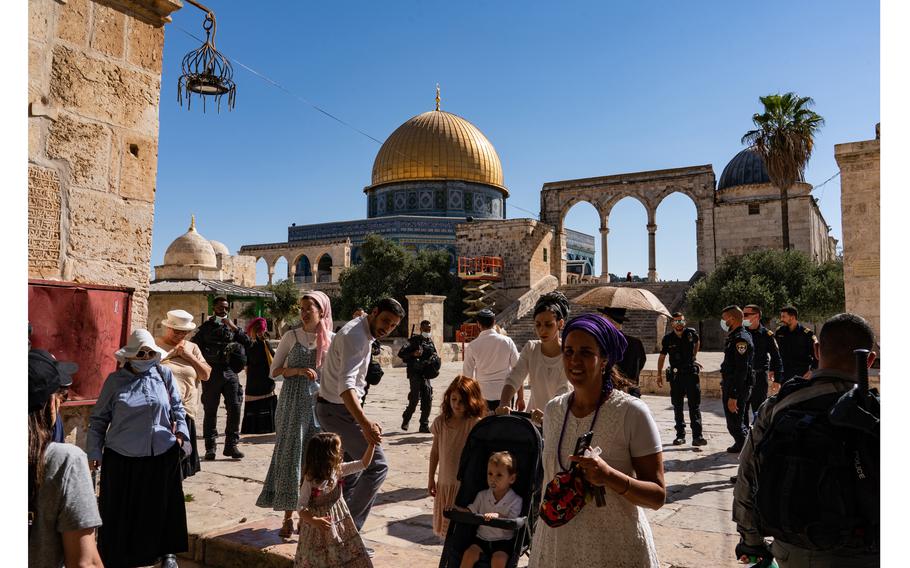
(516, 434)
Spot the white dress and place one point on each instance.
(546, 375)
(617, 534)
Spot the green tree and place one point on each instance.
(387, 269)
(283, 308)
(784, 135)
(770, 279)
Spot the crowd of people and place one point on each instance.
(328, 462)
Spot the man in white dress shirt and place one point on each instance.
(489, 358)
(338, 409)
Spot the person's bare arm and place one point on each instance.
(79, 550)
(660, 369)
(368, 455)
(197, 361)
(508, 391)
(434, 463)
(647, 490)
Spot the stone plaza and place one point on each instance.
(694, 528)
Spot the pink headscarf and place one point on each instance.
(259, 324)
(325, 324)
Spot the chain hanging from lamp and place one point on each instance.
(206, 72)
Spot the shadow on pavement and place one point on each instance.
(707, 462)
(683, 491)
(258, 438)
(400, 495)
(258, 537)
(418, 530)
(409, 440)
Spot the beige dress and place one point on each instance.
(618, 534)
(450, 439)
(184, 374)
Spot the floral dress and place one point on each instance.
(295, 424)
(450, 437)
(341, 545)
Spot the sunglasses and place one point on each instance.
(679, 322)
(145, 354)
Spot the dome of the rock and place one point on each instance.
(437, 145)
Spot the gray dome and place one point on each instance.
(745, 168)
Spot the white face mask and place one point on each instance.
(143, 365)
(219, 319)
(724, 326)
(425, 334)
(747, 323)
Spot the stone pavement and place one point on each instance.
(227, 530)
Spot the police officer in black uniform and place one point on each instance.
(682, 344)
(213, 338)
(797, 345)
(765, 349)
(736, 373)
(421, 358)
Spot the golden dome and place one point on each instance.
(437, 145)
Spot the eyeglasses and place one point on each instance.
(679, 322)
(145, 354)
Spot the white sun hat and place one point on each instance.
(180, 320)
(138, 339)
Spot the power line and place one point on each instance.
(823, 185)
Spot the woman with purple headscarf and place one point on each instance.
(260, 402)
(626, 462)
(298, 359)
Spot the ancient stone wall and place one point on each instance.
(244, 270)
(94, 84)
(860, 165)
(160, 304)
(520, 243)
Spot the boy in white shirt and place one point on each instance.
(499, 501)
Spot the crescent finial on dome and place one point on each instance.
(437, 96)
(192, 222)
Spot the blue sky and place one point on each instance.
(567, 90)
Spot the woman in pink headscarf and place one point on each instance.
(298, 360)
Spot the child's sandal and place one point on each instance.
(287, 528)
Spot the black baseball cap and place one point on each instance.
(46, 376)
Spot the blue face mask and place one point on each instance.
(143, 365)
(724, 326)
(747, 323)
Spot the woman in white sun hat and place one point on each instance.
(137, 432)
(186, 362)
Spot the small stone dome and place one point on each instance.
(745, 168)
(190, 249)
(220, 248)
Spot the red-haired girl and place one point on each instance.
(462, 407)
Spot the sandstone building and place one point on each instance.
(860, 165)
(93, 84)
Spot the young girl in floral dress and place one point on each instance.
(328, 537)
(462, 407)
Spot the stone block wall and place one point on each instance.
(520, 243)
(160, 304)
(244, 270)
(94, 85)
(739, 232)
(860, 164)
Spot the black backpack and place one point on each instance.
(818, 482)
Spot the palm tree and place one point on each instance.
(784, 137)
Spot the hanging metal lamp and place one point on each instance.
(206, 72)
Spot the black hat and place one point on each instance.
(616, 314)
(46, 376)
(486, 313)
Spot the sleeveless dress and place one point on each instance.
(624, 428)
(340, 546)
(295, 423)
(450, 440)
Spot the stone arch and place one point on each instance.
(324, 268)
(649, 188)
(303, 269)
(275, 267)
(679, 231)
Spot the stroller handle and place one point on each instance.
(474, 519)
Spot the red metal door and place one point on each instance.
(83, 323)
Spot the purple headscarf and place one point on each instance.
(611, 341)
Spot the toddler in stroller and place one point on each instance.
(492, 436)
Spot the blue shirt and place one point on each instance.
(133, 414)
